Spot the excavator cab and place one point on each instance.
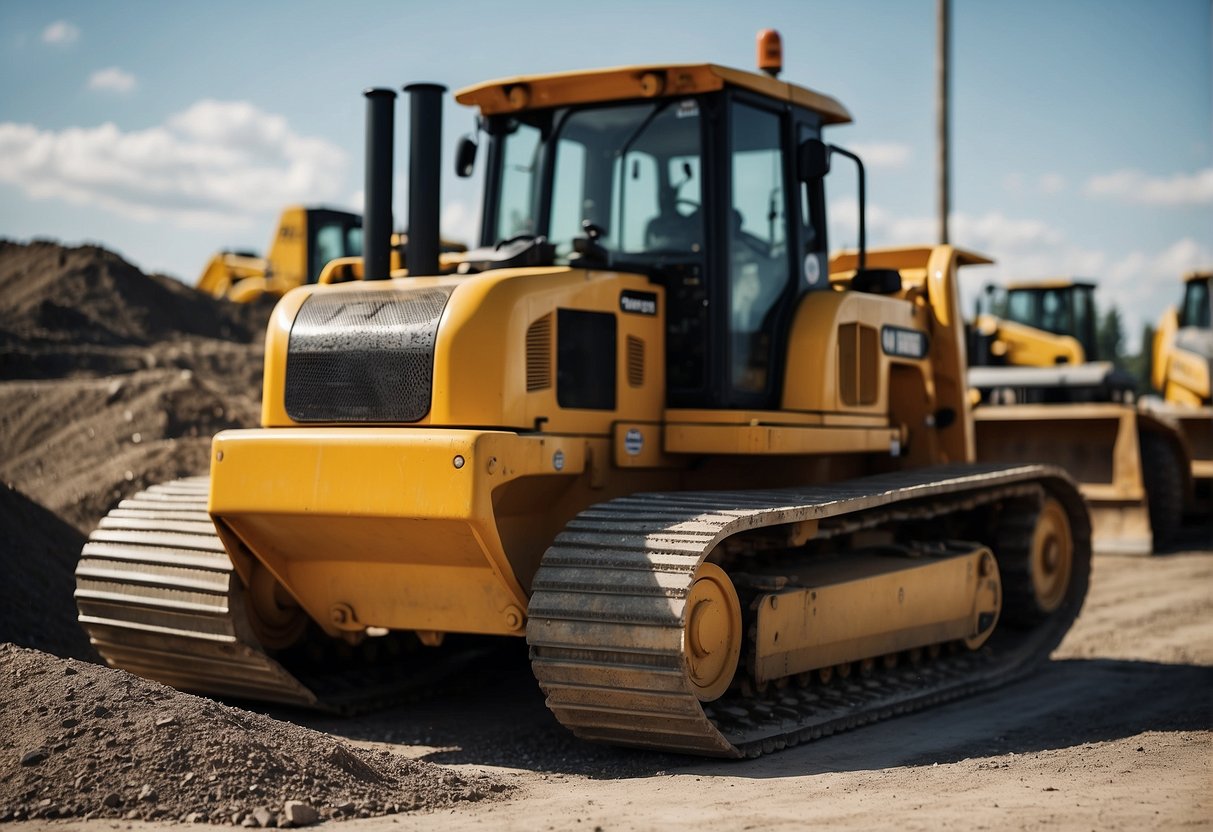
(699, 192)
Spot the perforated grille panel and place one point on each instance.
(363, 356)
(539, 354)
(635, 361)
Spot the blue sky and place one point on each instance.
(1082, 130)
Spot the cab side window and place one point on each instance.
(758, 253)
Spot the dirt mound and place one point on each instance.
(79, 446)
(88, 295)
(82, 740)
(38, 553)
(123, 390)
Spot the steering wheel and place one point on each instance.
(516, 238)
(680, 203)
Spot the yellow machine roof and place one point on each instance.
(1192, 277)
(528, 92)
(1050, 283)
(904, 257)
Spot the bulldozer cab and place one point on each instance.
(698, 190)
(1059, 307)
(1197, 308)
(325, 234)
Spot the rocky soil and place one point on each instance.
(79, 740)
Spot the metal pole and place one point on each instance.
(425, 157)
(377, 207)
(942, 161)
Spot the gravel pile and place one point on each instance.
(80, 740)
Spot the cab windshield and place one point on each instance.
(1197, 307)
(631, 170)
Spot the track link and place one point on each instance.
(159, 597)
(608, 612)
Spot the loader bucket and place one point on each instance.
(1097, 445)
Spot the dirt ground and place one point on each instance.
(1115, 733)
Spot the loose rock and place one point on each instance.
(299, 813)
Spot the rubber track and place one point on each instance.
(606, 618)
(158, 596)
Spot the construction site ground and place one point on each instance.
(111, 380)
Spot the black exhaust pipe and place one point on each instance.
(377, 209)
(425, 159)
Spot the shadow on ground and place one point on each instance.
(499, 719)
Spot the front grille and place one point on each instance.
(363, 356)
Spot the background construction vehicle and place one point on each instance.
(1038, 323)
(306, 240)
(645, 428)
(1181, 370)
(1047, 393)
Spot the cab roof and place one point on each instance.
(1192, 277)
(530, 92)
(1052, 283)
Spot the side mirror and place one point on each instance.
(465, 157)
(812, 159)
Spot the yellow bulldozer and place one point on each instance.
(306, 241)
(1181, 370)
(1047, 393)
(645, 428)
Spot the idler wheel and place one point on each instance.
(1051, 560)
(712, 631)
(277, 620)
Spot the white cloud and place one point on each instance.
(1047, 184)
(60, 33)
(217, 164)
(1137, 187)
(886, 155)
(1052, 183)
(112, 79)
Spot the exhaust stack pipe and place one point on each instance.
(377, 208)
(425, 159)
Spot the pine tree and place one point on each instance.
(1110, 336)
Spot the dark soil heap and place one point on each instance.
(87, 296)
(38, 554)
(79, 740)
(111, 380)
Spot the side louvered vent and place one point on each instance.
(859, 364)
(635, 362)
(539, 354)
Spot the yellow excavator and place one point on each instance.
(306, 241)
(1182, 371)
(1047, 393)
(710, 477)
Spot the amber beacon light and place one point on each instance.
(770, 52)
